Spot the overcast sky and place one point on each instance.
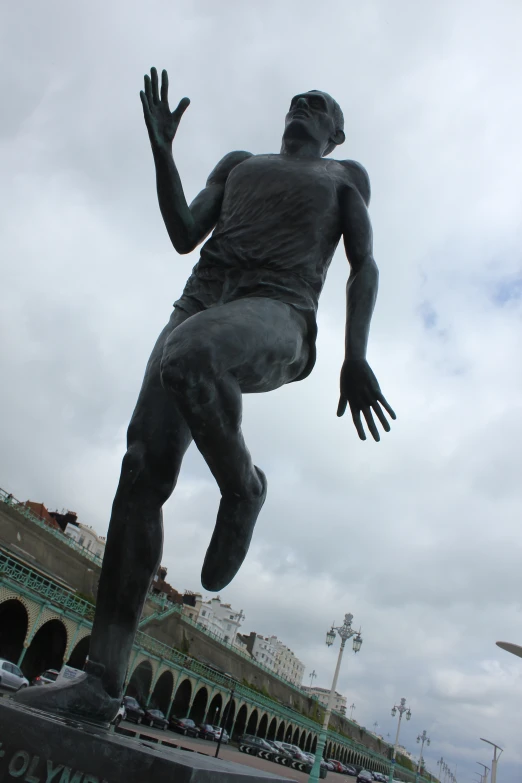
(418, 536)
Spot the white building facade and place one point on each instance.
(264, 652)
(85, 536)
(323, 694)
(287, 665)
(217, 618)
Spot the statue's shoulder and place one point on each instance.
(219, 173)
(359, 177)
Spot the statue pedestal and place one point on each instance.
(37, 747)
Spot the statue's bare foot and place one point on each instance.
(83, 698)
(230, 541)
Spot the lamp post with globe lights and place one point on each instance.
(401, 709)
(345, 632)
(422, 738)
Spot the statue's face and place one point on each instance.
(311, 115)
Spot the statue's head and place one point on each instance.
(316, 116)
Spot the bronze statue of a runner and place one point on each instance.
(245, 322)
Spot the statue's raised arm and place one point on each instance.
(187, 226)
(161, 123)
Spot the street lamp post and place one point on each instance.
(352, 707)
(401, 709)
(440, 764)
(495, 759)
(486, 770)
(422, 738)
(345, 631)
(225, 715)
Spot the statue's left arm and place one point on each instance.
(359, 387)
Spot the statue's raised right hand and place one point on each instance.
(162, 124)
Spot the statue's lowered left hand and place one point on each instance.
(360, 389)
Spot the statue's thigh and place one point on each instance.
(263, 343)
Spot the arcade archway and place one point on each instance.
(13, 629)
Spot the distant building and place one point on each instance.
(162, 588)
(260, 648)
(85, 536)
(64, 518)
(287, 665)
(217, 618)
(276, 656)
(66, 522)
(40, 511)
(323, 694)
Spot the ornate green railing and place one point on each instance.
(29, 579)
(19, 507)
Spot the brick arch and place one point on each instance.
(31, 607)
(252, 721)
(47, 615)
(272, 728)
(141, 658)
(262, 726)
(47, 645)
(75, 639)
(14, 627)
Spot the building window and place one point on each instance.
(204, 613)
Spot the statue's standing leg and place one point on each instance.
(157, 440)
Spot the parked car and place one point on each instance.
(350, 770)
(225, 739)
(46, 677)
(279, 750)
(380, 777)
(296, 752)
(156, 718)
(365, 776)
(206, 731)
(329, 766)
(120, 715)
(11, 676)
(338, 767)
(133, 710)
(249, 743)
(184, 726)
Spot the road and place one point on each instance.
(229, 753)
